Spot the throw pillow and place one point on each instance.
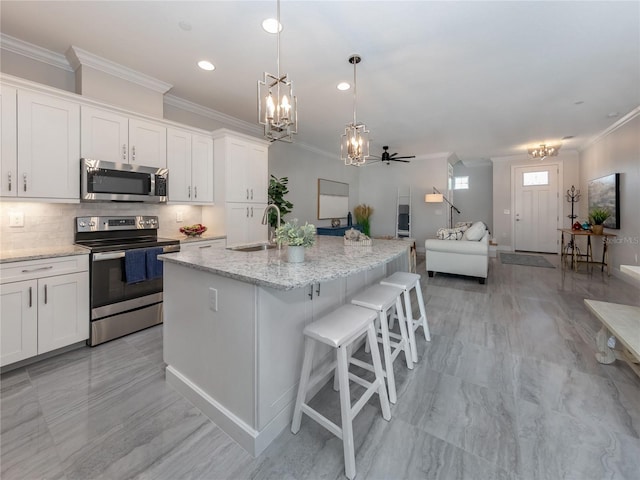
(463, 225)
(475, 232)
(449, 233)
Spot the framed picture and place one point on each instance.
(604, 192)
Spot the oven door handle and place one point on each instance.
(107, 256)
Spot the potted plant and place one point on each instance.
(277, 190)
(363, 212)
(597, 217)
(297, 237)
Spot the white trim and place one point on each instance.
(627, 118)
(35, 52)
(78, 57)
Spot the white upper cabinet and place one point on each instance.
(245, 162)
(48, 146)
(113, 137)
(9, 141)
(190, 163)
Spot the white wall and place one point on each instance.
(617, 151)
(476, 203)
(379, 185)
(503, 198)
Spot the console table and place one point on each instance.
(570, 249)
(336, 231)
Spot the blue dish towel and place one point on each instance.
(154, 266)
(135, 266)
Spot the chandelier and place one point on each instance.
(277, 106)
(544, 151)
(354, 143)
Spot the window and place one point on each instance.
(461, 183)
(530, 179)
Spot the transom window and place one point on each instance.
(530, 179)
(461, 183)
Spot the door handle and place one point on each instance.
(133, 153)
(318, 290)
(189, 190)
(45, 293)
(247, 194)
(124, 152)
(24, 177)
(195, 189)
(9, 175)
(311, 292)
(252, 194)
(251, 212)
(30, 297)
(247, 212)
(29, 270)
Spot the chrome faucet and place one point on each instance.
(265, 217)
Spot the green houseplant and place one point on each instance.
(277, 190)
(597, 217)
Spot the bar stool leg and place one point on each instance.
(307, 364)
(403, 334)
(388, 361)
(423, 313)
(346, 414)
(377, 367)
(409, 315)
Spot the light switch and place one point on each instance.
(213, 299)
(16, 219)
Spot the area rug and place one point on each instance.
(528, 260)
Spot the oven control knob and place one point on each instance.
(82, 224)
(92, 224)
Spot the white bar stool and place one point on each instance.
(385, 300)
(407, 281)
(339, 329)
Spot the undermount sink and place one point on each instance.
(253, 248)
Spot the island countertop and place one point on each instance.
(328, 259)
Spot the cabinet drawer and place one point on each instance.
(204, 244)
(27, 270)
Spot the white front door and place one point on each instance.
(536, 208)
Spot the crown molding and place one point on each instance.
(627, 118)
(29, 50)
(78, 57)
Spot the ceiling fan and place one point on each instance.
(388, 158)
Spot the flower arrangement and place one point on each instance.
(598, 215)
(290, 233)
(362, 213)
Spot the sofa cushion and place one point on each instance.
(461, 247)
(475, 232)
(450, 233)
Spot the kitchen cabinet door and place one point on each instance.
(179, 163)
(147, 143)
(63, 311)
(18, 321)
(257, 231)
(201, 169)
(8, 142)
(244, 223)
(257, 173)
(104, 135)
(48, 147)
(236, 164)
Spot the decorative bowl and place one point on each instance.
(193, 230)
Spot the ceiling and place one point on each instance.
(481, 79)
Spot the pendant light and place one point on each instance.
(277, 106)
(354, 143)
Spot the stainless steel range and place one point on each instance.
(125, 275)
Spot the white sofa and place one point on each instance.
(461, 257)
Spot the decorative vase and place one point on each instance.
(295, 254)
(597, 229)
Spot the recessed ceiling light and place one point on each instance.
(206, 65)
(186, 26)
(270, 25)
(344, 86)
(579, 102)
(613, 114)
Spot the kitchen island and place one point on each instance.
(233, 324)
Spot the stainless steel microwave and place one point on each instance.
(120, 182)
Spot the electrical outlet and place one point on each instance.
(179, 217)
(16, 219)
(213, 299)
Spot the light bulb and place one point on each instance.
(271, 107)
(285, 107)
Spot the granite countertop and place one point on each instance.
(328, 259)
(21, 254)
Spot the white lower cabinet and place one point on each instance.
(244, 223)
(202, 245)
(47, 311)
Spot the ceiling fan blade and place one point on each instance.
(400, 160)
(393, 154)
(408, 156)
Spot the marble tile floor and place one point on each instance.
(508, 388)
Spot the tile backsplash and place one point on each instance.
(52, 224)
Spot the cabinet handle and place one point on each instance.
(29, 270)
(247, 194)
(311, 292)
(247, 212)
(45, 293)
(251, 212)
(189, 188)
(252, 194)
(205, 246)
(9, 175)
(24, 177)
(318, 290)
(124, 152)
(195, 189)
(133, 153)
(30, 297)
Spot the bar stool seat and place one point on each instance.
(385, 299)
(406, 281)
(340, 329)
